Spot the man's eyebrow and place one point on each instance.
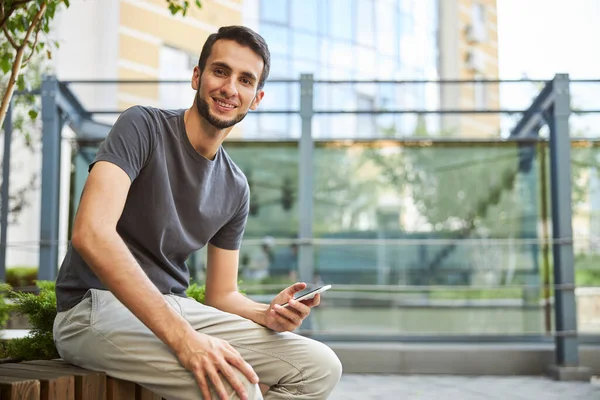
(226, 66)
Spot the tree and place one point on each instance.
(25, 26)
(25, 49)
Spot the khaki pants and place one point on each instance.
(101, 334)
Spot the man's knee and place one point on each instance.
(327, 371)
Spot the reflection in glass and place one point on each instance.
(341, 19)
(274, 11)
(277, 39)
(304, 15)
(305, 46)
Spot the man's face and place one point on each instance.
(227, 88)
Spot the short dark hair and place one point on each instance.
(245, 37)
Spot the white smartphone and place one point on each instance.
(310, 295)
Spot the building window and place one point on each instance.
(365, 19)
(306, 46)
(304, 15)
(477, 32)
(274, 11)
(480, 93)
(277, 38)
(174, 64)
(341, 13)
(366, 123)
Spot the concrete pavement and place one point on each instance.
(433, 387)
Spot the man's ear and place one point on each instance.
(259, 95)
(196, 78)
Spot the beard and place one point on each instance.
(204, 111)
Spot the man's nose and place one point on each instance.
(229, 89)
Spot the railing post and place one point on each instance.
(305, 185)
(8, 128)
(567, 349)
(305, 180)
(51, 140)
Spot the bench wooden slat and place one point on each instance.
(88, 384)
(141, 393)
(13, 388)
(117, 389)
(53, 385)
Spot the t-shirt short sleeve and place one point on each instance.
(229, 237)
(129, 143)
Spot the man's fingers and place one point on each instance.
(201, 379)
(234, 381)
(218, 383)
(296, 287)
(237, 361)
(288, 314)
(300, 307)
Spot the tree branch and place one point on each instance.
(37, 34)
(11, 10)
(10, 39)
(10, 87)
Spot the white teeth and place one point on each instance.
(224, 104)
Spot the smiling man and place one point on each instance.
(161, 187)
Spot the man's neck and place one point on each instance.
(204, 137)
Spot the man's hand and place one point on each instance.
(206, 356)
(282, 319)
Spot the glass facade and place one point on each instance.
(348, 40)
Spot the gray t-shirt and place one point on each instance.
(178, 202)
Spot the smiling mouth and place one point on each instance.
(223, 104)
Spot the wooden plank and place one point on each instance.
(117, 389)
(53, 385)
(141, 393)
(88, 384)
(12, 388)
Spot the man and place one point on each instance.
(161, 187)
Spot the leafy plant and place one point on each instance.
(196, 292)
(41, 311)
(21, 276)
(25, 26)
(179, 6)
(4, 308)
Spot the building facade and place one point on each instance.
(468, 39)
(334, 40)
(349, 40)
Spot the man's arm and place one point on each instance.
(222, 293)
(96, 239)
(222, 289)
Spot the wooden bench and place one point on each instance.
(58, 380)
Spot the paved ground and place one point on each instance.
(420, 387)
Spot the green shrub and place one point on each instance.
(21, 276)
(196, 292)
(41, 311)
(4, 308)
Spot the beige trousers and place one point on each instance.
(101, 334)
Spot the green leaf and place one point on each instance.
(198, 4)
(6, 62)
(33, 114)
(21, 82)
(67, 3)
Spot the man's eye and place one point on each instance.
(219, 71)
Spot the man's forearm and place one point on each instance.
(237, 303)
(110, 259)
